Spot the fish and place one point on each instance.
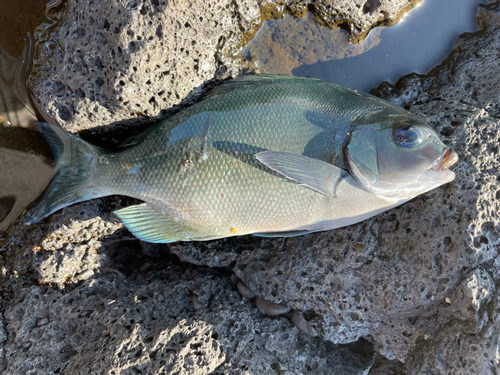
(268, 155)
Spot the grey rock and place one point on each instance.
(70, 252)
(382, 366)
(461, 97)
(466, 301)
(385, 278)
(118, 305)
(98, 63)
(457, 349)
(3, 361)
(301, 323)
(3, 332)
(179, 320)
(496, 269)
(117, 60)
(244, 291)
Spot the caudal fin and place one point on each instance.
(76, 162)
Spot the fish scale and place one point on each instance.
(255, 198)
(199, 171)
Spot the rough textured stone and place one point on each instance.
(3, 332)
(464, 344)
(420, 281)
(385, 278)
(80, 294)
(116, 60)
(466, 302)
(461, 97)
(102, 62)
(65, 251)
(178, 320)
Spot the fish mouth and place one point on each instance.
(443, 164)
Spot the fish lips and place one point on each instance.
(443, 164)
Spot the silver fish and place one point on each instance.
(267, 155)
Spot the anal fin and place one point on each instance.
(152, 225)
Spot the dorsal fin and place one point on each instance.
(248, 81)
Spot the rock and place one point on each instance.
(69, 249)
(244, 291)
(118, 60)
(461, 97)
(460, 348)
(385, 278)
(99, 63)
(131, 308)
(284, 44)
(3, 332)
(302, 324)
(467, 301)
(179, 320)
(3, 362)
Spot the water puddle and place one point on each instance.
(417, 43)
(287, 46)
(23, 154)
(280, 46)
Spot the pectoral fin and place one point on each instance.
(152, 225)
(315, 174)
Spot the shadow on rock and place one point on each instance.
(181, 319)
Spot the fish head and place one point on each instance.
(399, 158)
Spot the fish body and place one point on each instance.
(268, 155)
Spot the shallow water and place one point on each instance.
(419, 42)
(23, 154)
(288, 45)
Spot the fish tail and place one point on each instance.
(76, 163)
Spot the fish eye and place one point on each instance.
(408, 136)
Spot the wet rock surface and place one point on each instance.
(284, 44)
(419, 282)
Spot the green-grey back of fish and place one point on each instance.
(266, 155)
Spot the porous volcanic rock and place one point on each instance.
(388, 278)
(103, 62)
(179, 320)
(420, 282)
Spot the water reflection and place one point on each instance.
(24, 177)
(420, 41)
(23, 168)
(13, 112)
(25, 161)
